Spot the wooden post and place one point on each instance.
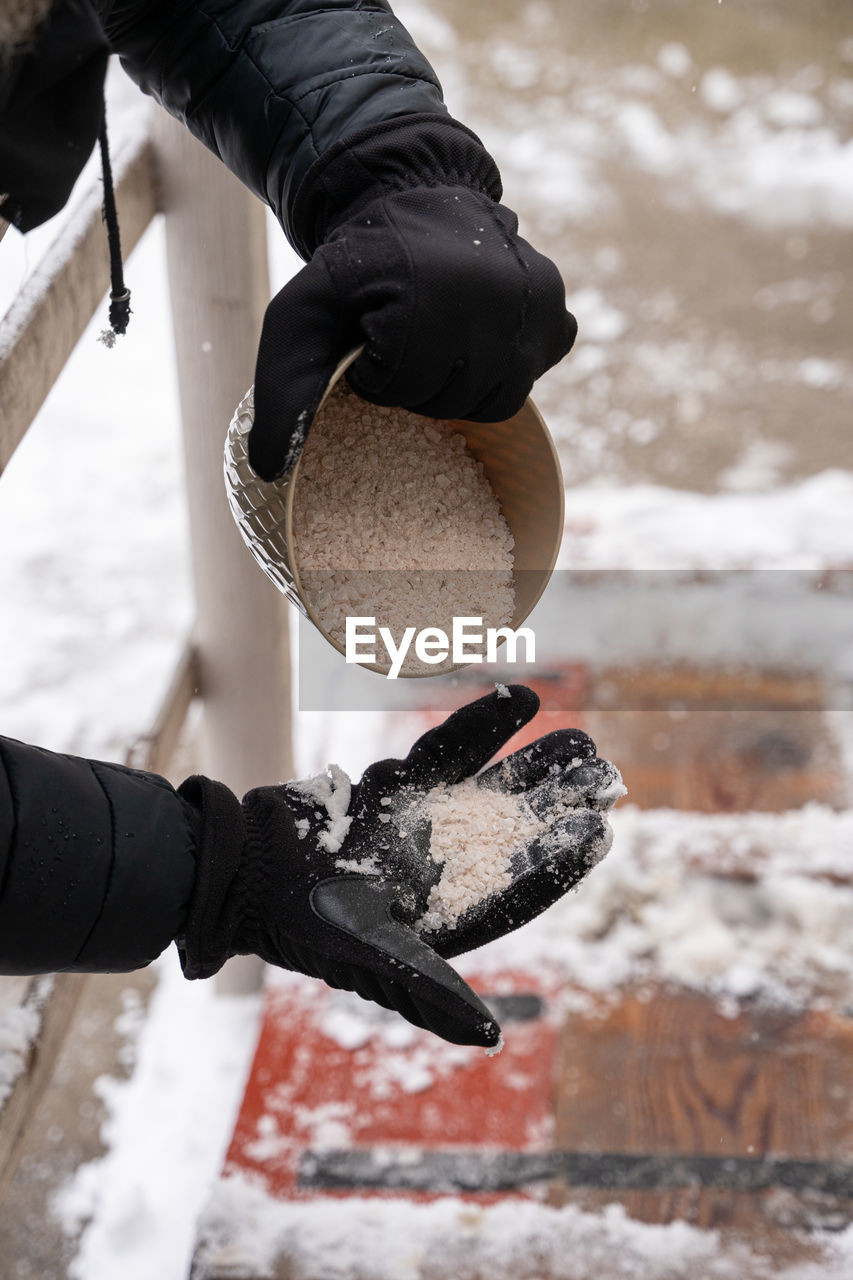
(219, 282)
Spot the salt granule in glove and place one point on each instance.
(336, 882)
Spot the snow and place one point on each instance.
(735, 577)
(19, 1027)
(674, 59)
(801, 526)
(168, 1130)
(92, 505)
(749, 145)
(18, 1030)
(736, 905)
(720, 91)
(331, 790)
(515, 1240)
(826, 374)
(600, 321)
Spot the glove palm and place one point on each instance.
(316, 882)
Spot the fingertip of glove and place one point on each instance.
(492, 1036)
(588, 837)
(525, 701)
(509, 708)
(571, 332)
(264, 443)
(493, 717)
(566, 746)
(599, 781)
(261, 462)
(478, 1030)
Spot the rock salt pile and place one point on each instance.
(476, 835)
(393, 518)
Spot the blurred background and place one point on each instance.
(688, 167)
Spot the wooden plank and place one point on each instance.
(397, 1090)
(708, 740)
(43, 325)
(722, 761)
(704, 688)
(154, 750)
(670, 1076)
(55, 1000)
(219, 283)
(714, 1096)
(466, 1101)
(716, 740)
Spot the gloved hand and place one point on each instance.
(310, 877)
(413, 257)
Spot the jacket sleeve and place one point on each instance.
(271, 85)
(97, 863)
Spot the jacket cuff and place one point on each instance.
(213, 916)
(395, 155)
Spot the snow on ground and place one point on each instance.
(660, 907)
(515, 1240)
(19, 1028)
(803, 526)
(168, 1131)
(771, 149)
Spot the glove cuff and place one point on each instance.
(214, 911)
(412, 151)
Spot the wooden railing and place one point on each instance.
(237, 658)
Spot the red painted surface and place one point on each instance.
(401, 1087)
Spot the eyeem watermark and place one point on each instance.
(468, 642)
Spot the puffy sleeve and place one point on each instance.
(270, 86)
(97, 863)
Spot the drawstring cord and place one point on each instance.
(119, 293)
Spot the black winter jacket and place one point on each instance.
(97, 862)
(268, 85)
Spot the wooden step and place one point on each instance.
(655, 1101)
(741, 1122)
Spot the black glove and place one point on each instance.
(414, 258)
(272, 880)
